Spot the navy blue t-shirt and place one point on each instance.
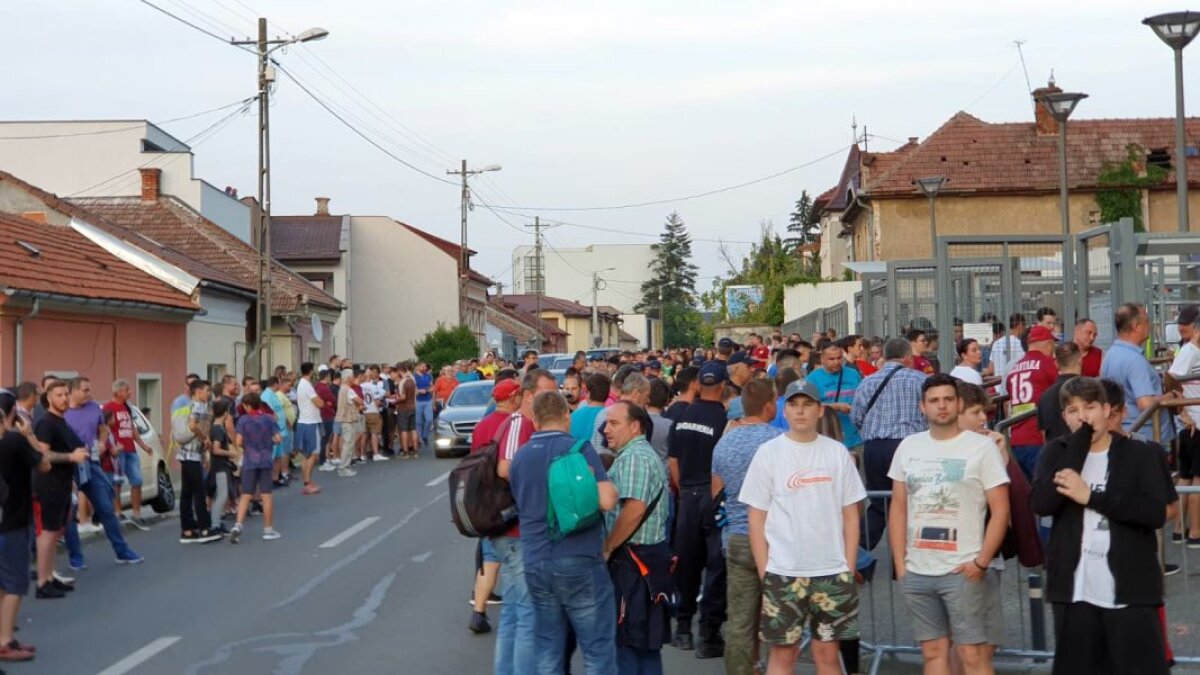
(528, 477)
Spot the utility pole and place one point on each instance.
(595, 311)
(539, 260)
(662, 311)
(266, 76)
(464, 258)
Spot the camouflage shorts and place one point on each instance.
(828, 605)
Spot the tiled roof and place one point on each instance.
(982, 157)
(68, 263)
(529, 303)
(849, 179)
(176, 226)
(306, 237)
(626, 337)
(521, 324)
(192, 266)
(452, 249)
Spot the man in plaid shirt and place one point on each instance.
(884, 420)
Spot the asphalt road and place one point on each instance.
(369, 577)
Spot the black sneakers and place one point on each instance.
(683, 640)
(479, 623)
(48, 591)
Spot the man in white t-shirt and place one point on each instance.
(944, 481)
(308, 426)
(373, 397)
(1187, 363)
(803, 491)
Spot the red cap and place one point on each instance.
(505, 389)
(1040, 333)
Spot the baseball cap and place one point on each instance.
(698, 361)
(654, 365)
(726, 342)
(802, 388)
(1040, 333)
(740, 357)
(712, 373)
(322, 368)
(1188, 315)
(505, 389)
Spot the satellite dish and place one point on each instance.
(597, 341)
(318, 331)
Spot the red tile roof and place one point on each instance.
(526, 319)
(982, 157)
(306, 237)
(68, 263)
(452, 249)
(174, 225)
(529, 303)
(192, 266)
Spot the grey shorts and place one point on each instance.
(952, 606)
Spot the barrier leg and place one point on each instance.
(1037, 615)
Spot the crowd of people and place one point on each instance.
(734, 484)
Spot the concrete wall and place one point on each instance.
(646, 329)
(623, 284)
(402, 286)
(293, 342)
(217, 339)
(801, 299)
(338, 288)
(835, 250)
(100, 346)
(106, 165)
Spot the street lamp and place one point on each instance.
(596, 281)
(930, 186)
(1061, 105)
(266, 75)
(1177, 29)
(464, 259)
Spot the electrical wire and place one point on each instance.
(698, 195)
(355, 129)
(189, 24)
(128, 128)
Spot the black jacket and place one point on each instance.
(1134, 501)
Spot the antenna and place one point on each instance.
(854, 129)
(1028, 85)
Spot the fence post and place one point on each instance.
(1037, 615)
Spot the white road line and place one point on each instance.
(350, 532)
(139, 657)
(440, 480)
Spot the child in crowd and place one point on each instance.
(220, 465)
(257, 436)
(1108, 495)
(803, 493)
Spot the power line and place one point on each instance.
(355, 129)
(128, 128)
(189, 24)
(697, 195)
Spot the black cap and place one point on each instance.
(740, 357)
(726, 343)
(1188, 315)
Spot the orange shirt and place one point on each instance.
(443, 386)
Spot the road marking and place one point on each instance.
(350, 532)
(423, 557)
(440, 480)
(139, 657)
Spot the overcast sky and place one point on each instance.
(584, 104)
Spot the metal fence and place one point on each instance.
(821, 319)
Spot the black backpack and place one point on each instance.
(481, 503)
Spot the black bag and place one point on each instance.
(481, 503)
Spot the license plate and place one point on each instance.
(468, 438)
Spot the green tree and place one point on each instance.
(802, 225)
(770, 266)
(1120, 194)
(443, 346)
(671, 289)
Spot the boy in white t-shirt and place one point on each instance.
(944, 481)
(803, 492)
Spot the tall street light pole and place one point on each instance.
(266, 76)
(464, 259)
(1061, 105)
(1177, 29)
(596, 288)
(930, 187)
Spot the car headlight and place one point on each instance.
(443, 427)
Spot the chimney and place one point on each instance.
(1046, 124)
(150, 184)
(322, 206)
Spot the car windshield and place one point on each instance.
(563, 362)
(464, 396)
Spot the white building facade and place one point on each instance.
(622, 269)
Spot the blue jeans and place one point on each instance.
(71, 538)
(515, 653)
(99, 492)
(578, 590)
(424, 420)
(1027, 456)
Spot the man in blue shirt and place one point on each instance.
(565, 574)
(837, 384)
(424, 381)
(731, 459)
(1127, 365)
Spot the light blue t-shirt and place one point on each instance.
(583, 422)
(1126, 365)
(828, 384)
(731, 459)
(736, 411)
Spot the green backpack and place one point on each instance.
(572, 499)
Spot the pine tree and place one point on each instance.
(672, 285)
(802, 223)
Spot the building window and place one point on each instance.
(216, 372)
(535, 277)
(149, 398)
(322, 280)
(314, 353)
